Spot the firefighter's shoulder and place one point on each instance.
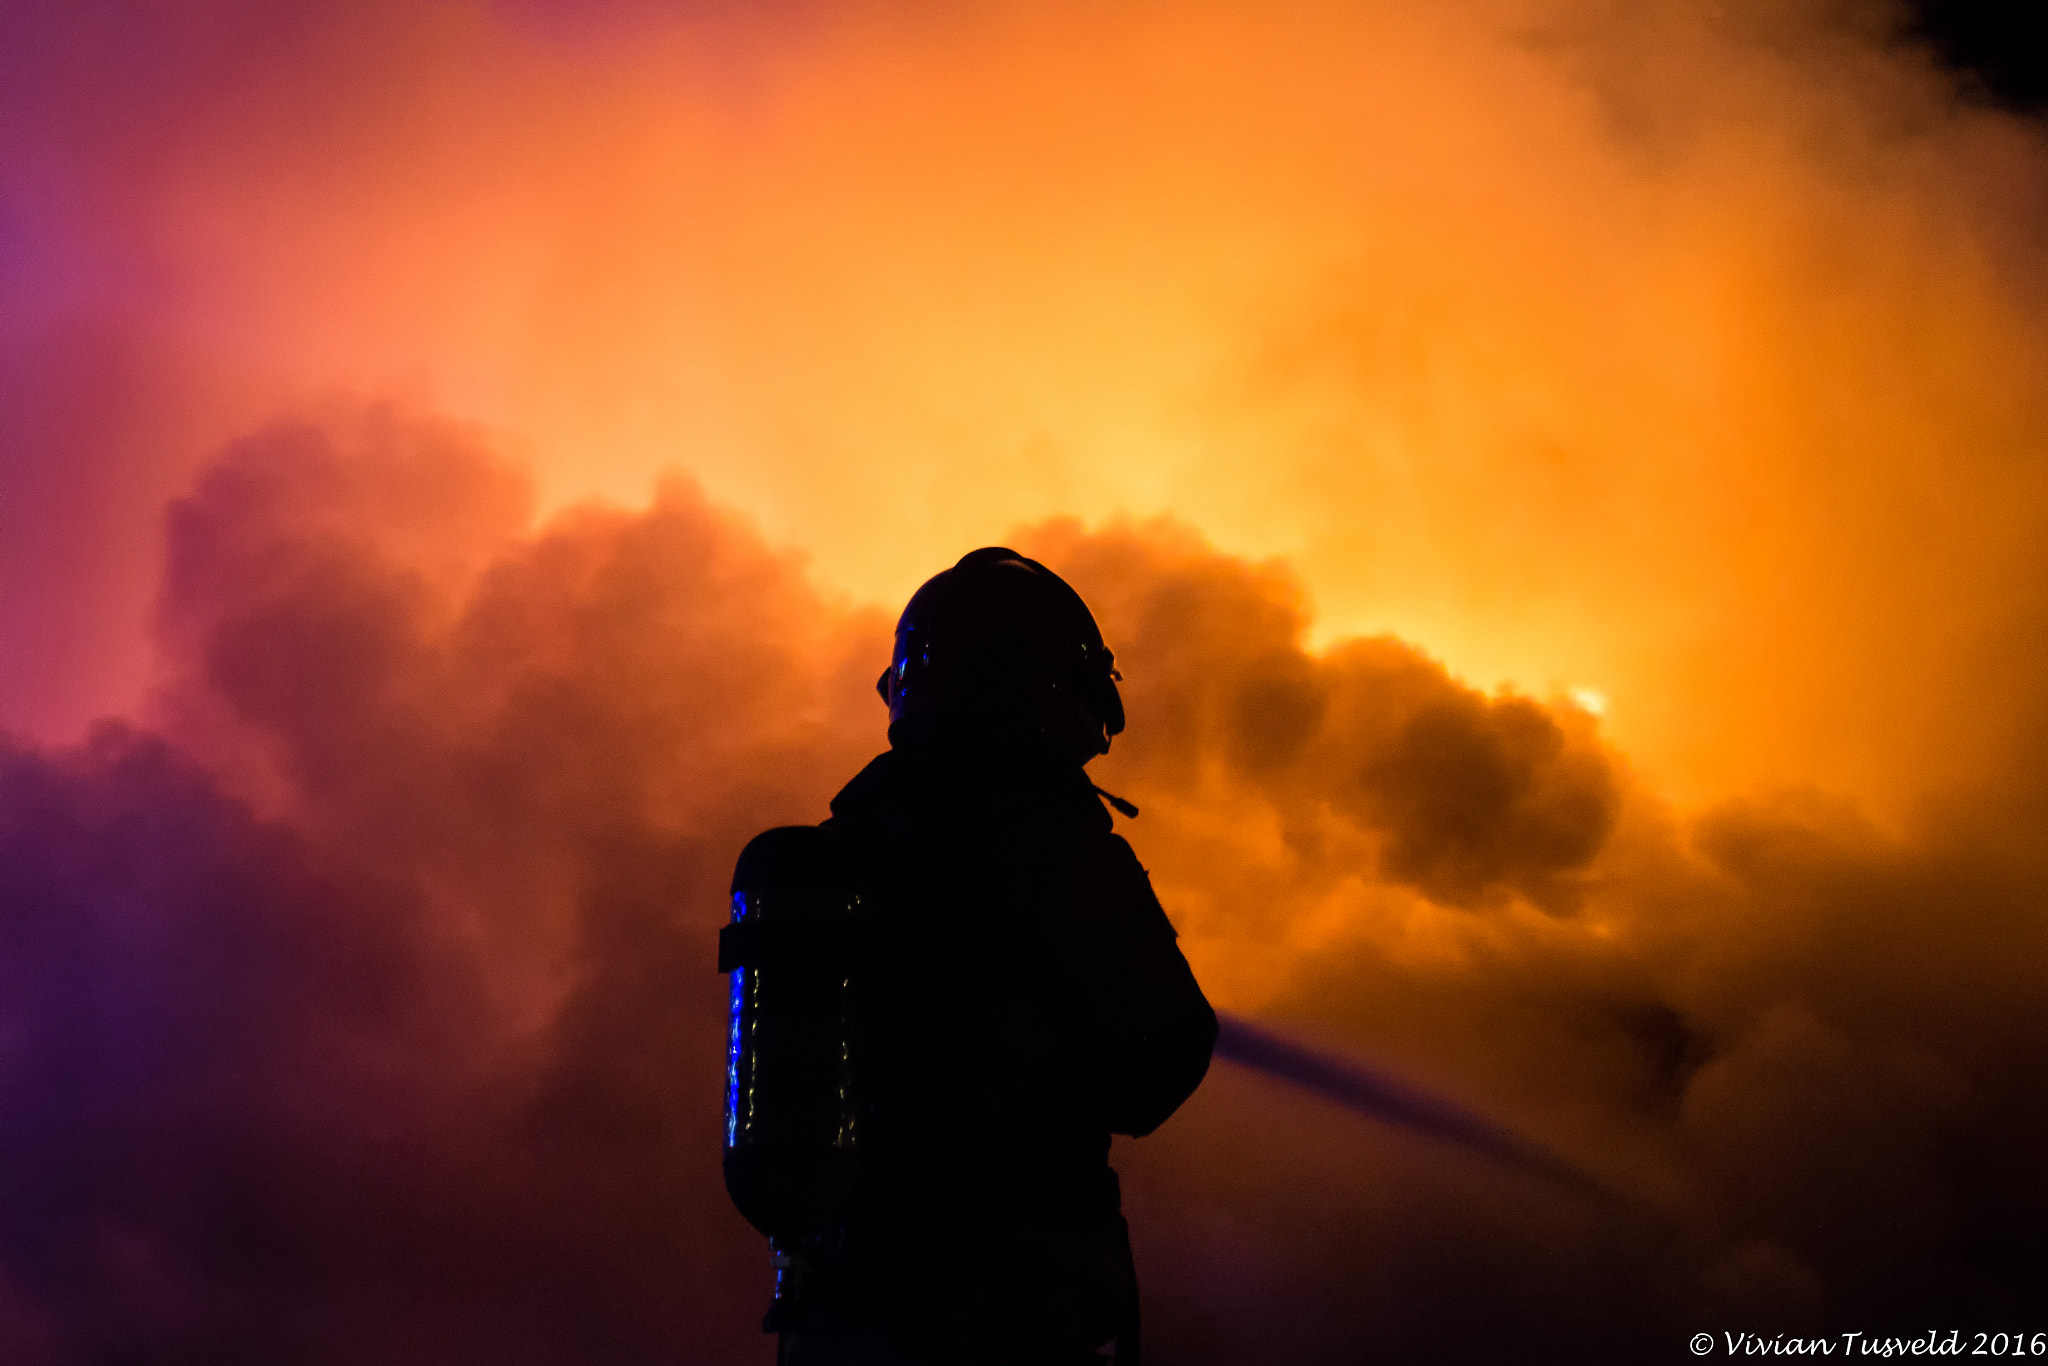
(811, 856)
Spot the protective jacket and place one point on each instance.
(1025, 999)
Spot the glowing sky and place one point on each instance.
(1689, 356)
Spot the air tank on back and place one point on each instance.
(793, 1102)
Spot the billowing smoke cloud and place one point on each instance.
(1467, 798)
(1799, 1043)
(362, 1008)
(421, 1062)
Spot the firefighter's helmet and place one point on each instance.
(1001, 643)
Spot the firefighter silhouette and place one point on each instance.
(948, 996)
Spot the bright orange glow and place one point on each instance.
(1634, 352)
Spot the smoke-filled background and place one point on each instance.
(1564, 481)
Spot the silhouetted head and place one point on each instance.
(998, 649)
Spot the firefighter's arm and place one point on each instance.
(1157, 1029)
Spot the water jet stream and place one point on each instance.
(1374, 1094)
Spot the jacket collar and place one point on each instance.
(905, 789)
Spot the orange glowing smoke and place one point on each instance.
(1692, 357)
